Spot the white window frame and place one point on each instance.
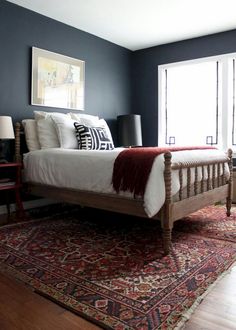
(226, 92)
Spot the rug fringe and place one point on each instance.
(188, 313)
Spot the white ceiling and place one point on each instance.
(137, 24)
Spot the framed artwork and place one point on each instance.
(57, 80)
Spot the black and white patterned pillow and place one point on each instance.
(92, 138)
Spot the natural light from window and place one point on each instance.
(196, 103)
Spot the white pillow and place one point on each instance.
(31, 136)
(92, 121)
(65, 131)
(47, 133)
(40, 115)
(102, 123)
(84, 119)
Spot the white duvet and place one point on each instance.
(92, 170)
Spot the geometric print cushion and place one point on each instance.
(92, 138)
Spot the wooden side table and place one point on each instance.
(10, 179)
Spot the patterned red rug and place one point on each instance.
(110, 269)
(210, 222)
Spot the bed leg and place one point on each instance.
(228, 206)
(166, 234)
(229, 198)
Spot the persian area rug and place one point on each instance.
(110, 269)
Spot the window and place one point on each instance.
(197, 103)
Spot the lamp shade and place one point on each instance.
(129, 130)
(6, 128)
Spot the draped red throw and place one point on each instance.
(133, 166)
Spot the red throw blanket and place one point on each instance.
(133, 166)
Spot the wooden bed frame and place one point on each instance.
(210, 190)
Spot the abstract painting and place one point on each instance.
(57, 80)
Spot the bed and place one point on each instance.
(197, 183)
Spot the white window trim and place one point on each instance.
(226, 96)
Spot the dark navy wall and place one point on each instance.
(145, 73)
(107, 66)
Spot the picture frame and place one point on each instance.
(57, 80)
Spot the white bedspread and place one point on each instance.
(92, 171)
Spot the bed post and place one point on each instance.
(229, 197)
(166, 222)
(17, 143)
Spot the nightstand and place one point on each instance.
(10, 179)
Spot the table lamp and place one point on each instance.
(129, 131)
(6, 133)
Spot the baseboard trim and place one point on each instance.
(28, 205)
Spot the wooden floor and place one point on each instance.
(21, 308)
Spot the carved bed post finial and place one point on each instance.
(166, 224)
(17, 143)
(229, 198)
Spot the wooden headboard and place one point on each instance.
(18, 132)
(20, 142)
